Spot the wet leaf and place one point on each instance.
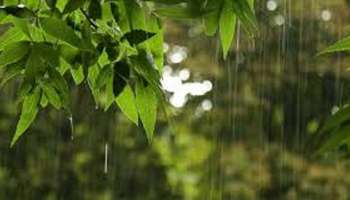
(342, 45)
(28, 114)
(170, 2)
(178, 12)
(212, 19)
(115, 11)
(12, 71)
(137, 36)
(127, 104)
(146, 101)
(51, 3)
(20, 12)
(337, 138)
(60, 30)
(73, 5)
(35, 65)
(245, 13)
(227, 27)
(95, 9)
(11, 36)
(121, 75)
(13, 53)
(103, 76)
(61, 86)
(52, 95)
(78, 74)
(337, 119)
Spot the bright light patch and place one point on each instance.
(174, 83)
(207, 105)
(184, 74)
(177, 55)
(178, 100)
(326, 15)
(271, 5)
(279, 20)
(335, 109)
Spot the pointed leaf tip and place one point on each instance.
(28, 114)
(146, 101)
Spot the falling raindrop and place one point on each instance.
(71, 122)
(105, 169)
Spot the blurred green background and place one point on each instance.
(244, 128)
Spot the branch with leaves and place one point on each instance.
(114, 46)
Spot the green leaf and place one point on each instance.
(245, 13)
(135, 15)
(337, 119)
(227, 26)
(52, 95)
(115, 11)
(93, 73)
(127, 104)
(342, 45)
(137, 36)
(110, 97)
(9, 2)
(178, 12)
(72, 5)
(155, 44)
(60, 30)
(13, 53)
(170, 2)
(146, 102)
(25, 88)
(48, 53)
(21, 12)
(145, 68)
(22, 24)
(103, 76)
(35, 65)
(51, 3)
(337, 138)
(78, 74)
(61, 86)
(212, 19)
(11, 71)
(95, 9)
(121, 75)
(28, 114)
(44, 102)
(12, 35)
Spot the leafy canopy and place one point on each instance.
(114, 46)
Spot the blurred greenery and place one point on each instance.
(270, 98)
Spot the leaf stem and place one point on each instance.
(88, 18)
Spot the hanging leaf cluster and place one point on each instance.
(337, 127)
(114, 46)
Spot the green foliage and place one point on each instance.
(13, 53)
(337, 125)
(116, 46)
(127, 104)
(342, 45)
(146, 102)
(29, 112)
(337, 130)
(227, 26)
